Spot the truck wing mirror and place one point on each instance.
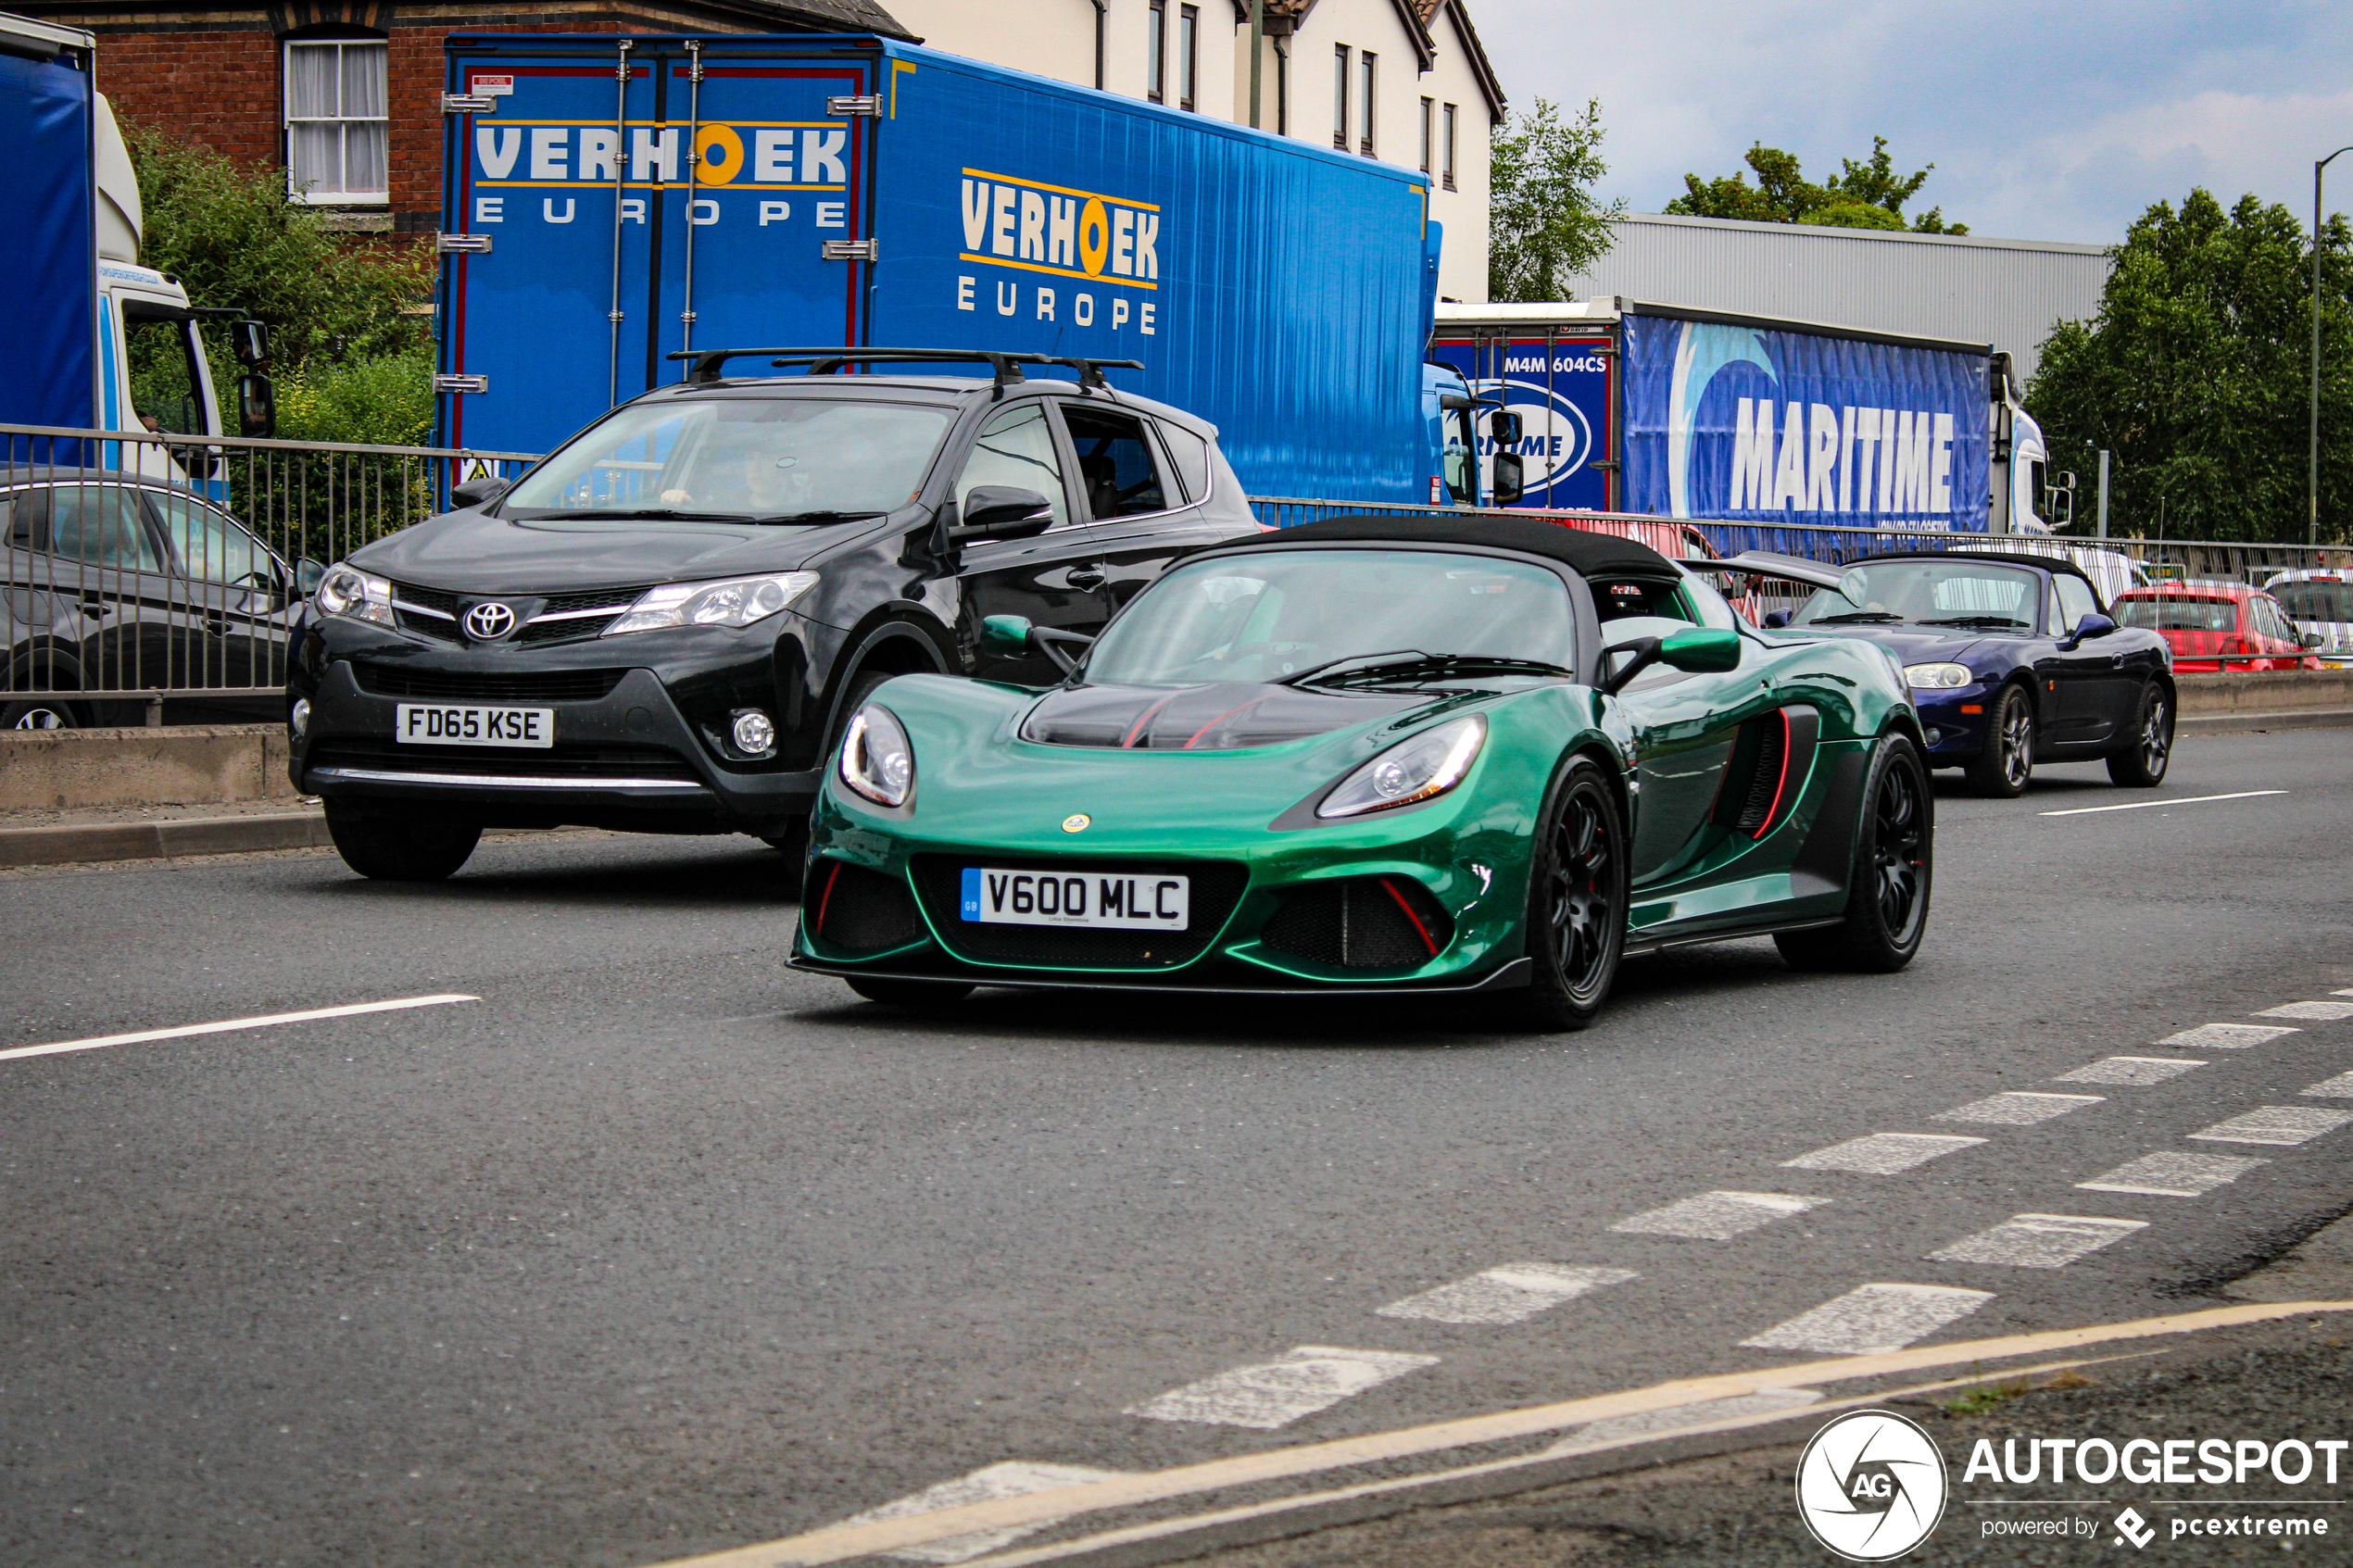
(256, 406)
(1508, 488)
(249, 340)
(1003, 511)
(1503, 425)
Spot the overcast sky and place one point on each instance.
(2053, 121)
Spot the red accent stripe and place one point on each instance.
(1221, 719)
(1422, 930)
(1780, 785)
(1149, 713)
(826, 899)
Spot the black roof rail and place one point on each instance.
(827, 361)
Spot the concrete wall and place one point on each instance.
(48, 770)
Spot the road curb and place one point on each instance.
(2235, 724)
(156, 840)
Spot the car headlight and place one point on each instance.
(737, 601)
(344, 591)
(877, 762)
(1936, 677)
(1420, 768)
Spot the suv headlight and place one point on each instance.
(876, 760)
(737, 601)
(344, 591)
(1420, 768)
(1936, 677)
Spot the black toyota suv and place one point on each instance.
(662, 626)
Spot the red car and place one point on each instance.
(2217, 626)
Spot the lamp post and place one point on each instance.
(2312, 522)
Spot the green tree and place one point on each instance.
(230, 237)
(2195, 375)
(1544, 225)
(1867, 194)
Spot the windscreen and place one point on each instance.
(1977, 594)
(2316, 600)
(1266, 614)
(769, 460)
(2178, 612)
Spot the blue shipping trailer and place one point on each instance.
(854, 191)
(49, 343)
(1686, 413)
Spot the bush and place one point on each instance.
(386, 401)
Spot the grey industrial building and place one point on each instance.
(2008, 292)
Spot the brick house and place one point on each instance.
(345, 94)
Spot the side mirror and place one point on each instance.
(249, 342)
(1003, 511)
(2313, 640)
(1508, 489)
(256, 406)
(479, 491)
(1503, 425)
(308, 574)
(1701, 650)
(1004, 636)
(1776, 619)
(2092, 625)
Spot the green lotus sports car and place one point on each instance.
(1415, 754)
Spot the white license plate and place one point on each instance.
(438, 723)
(1100, 900)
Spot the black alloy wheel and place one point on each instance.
(2149, 748)
(2003, 768)
(1888, 885)
(1577, 902)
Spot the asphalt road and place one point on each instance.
(657, 1248)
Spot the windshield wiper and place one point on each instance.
(1423, 666)
(1300, 678)
(1977, 621)
(637, 514)
(811, 516)
(1856, 615)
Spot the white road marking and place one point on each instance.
(2017, 1108)
(1272, 1394)
(1012, 1479)
(2338, 1087)
(2227, 1036)
(2325, 1012)
(2174, 1175)
(1617, 1429)
(1717, 1216)
(1881, 1154)
(224, 1026)
(2130, 1070)
(2285, 1126)
(2145, 804)
(1512, 1294)
(1872, 1318)
(2038, 1241)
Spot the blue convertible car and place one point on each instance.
(2012, 660)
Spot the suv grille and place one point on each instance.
(551, 685)
(412, 602)
(409, 601)
(1362, 922)
(1216, 887)
(586, 763)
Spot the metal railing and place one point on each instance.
(150, 566)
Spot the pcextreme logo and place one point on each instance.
(1871, 1485)
(1029, 226)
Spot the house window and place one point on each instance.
(1156, 53)
(1339, 97)
(336, 131)
(1452, 115)
(1365, 143)
(1188, 53)
(1429, 113)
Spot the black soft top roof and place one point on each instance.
(1590, 554)
(2008, 557)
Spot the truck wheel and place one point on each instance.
(1888, 882)
(2006, 764)
(2142, 762)
(1576, 903)
(403, 848)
